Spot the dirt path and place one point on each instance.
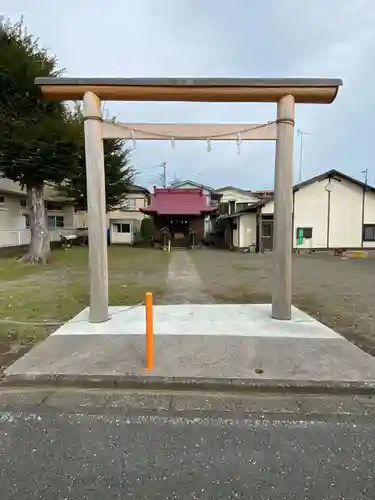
(184, 284)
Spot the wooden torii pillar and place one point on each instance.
(284, 91)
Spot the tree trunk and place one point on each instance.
(39, 248)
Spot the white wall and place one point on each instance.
(11, 238)
(248, 229)
(268, 208)
(11, 212)
(311, 210)
(122, 238)
(345, 215)
(369, 215)
(245, 234)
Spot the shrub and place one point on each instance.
(148, 229)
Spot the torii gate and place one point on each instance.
(284, 91)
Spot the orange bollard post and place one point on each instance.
(149, 332)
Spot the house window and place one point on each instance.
(304, 232)
(121, 228)
(224, 208)
(369, 232)
(232, 206)
(55, 221)
(130, 203)
(23, 203)
(27, 221)
(53, 206)
(2, 199)
(267, 227)
(242, 206)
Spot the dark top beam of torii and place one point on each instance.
(304, 90)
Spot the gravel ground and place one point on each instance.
(337, 292)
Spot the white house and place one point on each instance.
(331, 211)
(14, 217)
(125, 222)
(234, 199)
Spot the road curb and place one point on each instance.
(189, 384)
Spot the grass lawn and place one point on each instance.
(59, 290)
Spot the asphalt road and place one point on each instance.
(49, 454)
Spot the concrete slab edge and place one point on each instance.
(158, 383)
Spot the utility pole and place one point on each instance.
(163, 165)
(301, 133)
(365, 172)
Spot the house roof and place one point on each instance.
(234, 189)
(330, 174)
(175, 201)
(50, 193)
(135, 188)
(196, 184)
(243, 191)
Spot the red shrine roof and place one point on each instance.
(174, 201)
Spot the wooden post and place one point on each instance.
(282, 244)
(97, 218)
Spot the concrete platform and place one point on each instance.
(205, 346)
(249, 320)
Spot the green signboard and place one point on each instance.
(299, 236)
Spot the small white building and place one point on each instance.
(330, 211)
(124, 223)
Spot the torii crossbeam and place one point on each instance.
(284, 91)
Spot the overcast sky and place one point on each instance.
(221, 38)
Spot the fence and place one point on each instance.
(19, 237)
